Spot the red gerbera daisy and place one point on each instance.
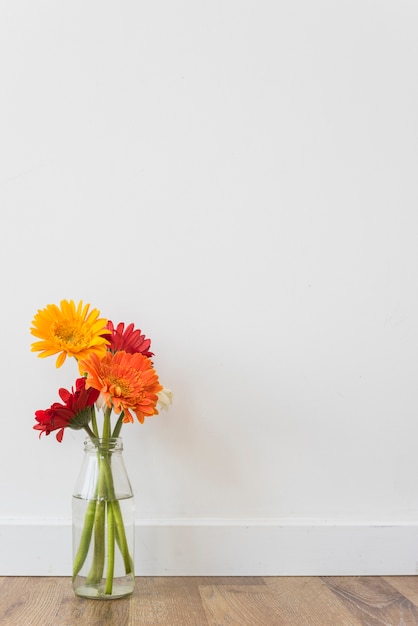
(127, 339)
(75, 413)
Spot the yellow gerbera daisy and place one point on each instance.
(69, 331)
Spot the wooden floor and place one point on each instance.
(199, 601)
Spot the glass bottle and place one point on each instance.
(103, 523)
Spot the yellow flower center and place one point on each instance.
(69, 335)
(120, 387)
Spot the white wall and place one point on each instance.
(239, 179)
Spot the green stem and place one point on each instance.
(85, 539)
(106, 423)
(96, 570)
(118, 426)
(120, 526)
(121, 538)
(90, 433)
(95, 429)
(110, 548)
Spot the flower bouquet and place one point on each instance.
(116, 381)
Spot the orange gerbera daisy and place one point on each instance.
(127, 382)
(69, 331)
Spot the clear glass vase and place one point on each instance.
(103, 523)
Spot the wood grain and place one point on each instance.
(374, 600)
(217, 601)
(240, 605)
(166, 602)
(308, 601)
(407, 585)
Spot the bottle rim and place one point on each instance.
(103, 443)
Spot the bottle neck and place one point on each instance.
(111, 444)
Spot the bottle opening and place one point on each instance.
(103, 444)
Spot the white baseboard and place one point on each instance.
(39, 547)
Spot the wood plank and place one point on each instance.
(228, 580)
(168, 601)
(373, 600)
(308, 601)
(241, 605)
(24, 600)
(406, 585)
